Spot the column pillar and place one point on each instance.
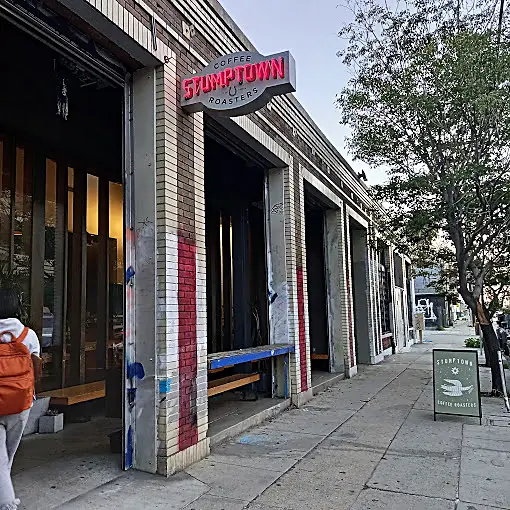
(339, 299)
(288, 308)
(351, 368)
(140, 356)
(181, 294)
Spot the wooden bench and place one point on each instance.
(219, 361)
(231, 383)
(316, 356)
(76, 394)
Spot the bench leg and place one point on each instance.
(286, 375)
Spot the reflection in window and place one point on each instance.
(92, 268)
(5, 205)
(23, 226)
(116, 274)
(50, 297)
(70, 198)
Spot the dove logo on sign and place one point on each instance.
(455, 388)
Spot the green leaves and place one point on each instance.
(430, 100)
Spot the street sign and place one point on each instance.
(456, 383)
(419, 321)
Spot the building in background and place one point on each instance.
(178, 225)
(438, 309)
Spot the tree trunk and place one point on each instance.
(491, 341)
(486, 351)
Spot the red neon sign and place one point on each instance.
(238, 83)
(265, 70)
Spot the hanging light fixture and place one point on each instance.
(62, 91)
(62, 99)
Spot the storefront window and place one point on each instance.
(22, 223)
(116, 274)
(5, 203)
(50, 296)
(70, 198)
(69, 268)
(92, 268)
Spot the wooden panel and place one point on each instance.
(38, 242)
(230, 383)
(103, 273)
(241, 278)
(61, 261)
(78, 278)
(227, 339)
(76, 394)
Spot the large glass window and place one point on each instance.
(50, 293)
(92, 269)
(5, 202)
(384, 290)
(62, 246)
(22, 226)
(116, 273)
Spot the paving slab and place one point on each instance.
(488, 463)
(487, 444)
(232, 481)
(491, 433)
(339, 465)
(475, 506)
(75, 476)
(484, 490)
(313, 492)
(366, 434)
(432, 476)
(372, 499)
(265, 448)
(136, 490)
(208, 502)
(317, 420)
(282, 442)
(420, 435)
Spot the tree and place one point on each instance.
(429, 100)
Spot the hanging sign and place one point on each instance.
(456, 383)
(239, 83)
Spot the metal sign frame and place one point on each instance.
(457, 351)
(239, 83)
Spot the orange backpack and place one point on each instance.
(17, 381)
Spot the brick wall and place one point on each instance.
(181, 298)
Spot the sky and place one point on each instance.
(308, 28)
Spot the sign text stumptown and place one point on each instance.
(239, 83)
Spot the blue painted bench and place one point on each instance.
(221, 360)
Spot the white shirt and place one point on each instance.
(15, 327)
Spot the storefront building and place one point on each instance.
(177, 224)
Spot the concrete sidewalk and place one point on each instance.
(367, 443)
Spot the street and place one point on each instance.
(367, 443)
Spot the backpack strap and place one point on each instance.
(15, 339)
(23, 335)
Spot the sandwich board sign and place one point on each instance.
(456, 383)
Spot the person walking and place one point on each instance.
(503, 339)
(20, 367)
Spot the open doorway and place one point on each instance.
(359, 271)
(237, 306)
(62, 246)
(316, 283)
